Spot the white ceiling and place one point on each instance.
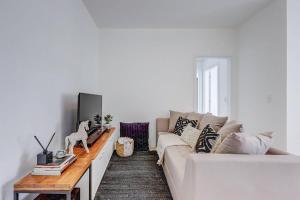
(172, 13)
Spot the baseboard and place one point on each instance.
(152, 148)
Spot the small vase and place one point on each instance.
(107, 126)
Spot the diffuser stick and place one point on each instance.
(39, 143)
(50, 141)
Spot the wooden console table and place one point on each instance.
(64, 183)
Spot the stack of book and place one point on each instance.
(55, 168)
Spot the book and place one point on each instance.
(54, 169)
(57, 162)
(46, 170)
(61, 167)
(46, 173)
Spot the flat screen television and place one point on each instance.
(89, 108)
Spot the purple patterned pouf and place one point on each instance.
(139, 132)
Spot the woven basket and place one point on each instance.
(124, 146)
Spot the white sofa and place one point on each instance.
(193, 176)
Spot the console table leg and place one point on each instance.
(68, 195)
(90, 182)
(16, 196)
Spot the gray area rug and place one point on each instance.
(135, 177)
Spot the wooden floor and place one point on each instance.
(135, 177)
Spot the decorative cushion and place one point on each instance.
(174, 115)
(206, 140)
(195, 116)
(226, 130)
(215, 121)
(242, 143)
(190, 135)
(182, 123)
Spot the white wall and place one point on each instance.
(262, 72)
(147, 72)
(293, 80)
(48, 52)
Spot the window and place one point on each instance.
(210, 88)
(213, 83)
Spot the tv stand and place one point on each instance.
(94, 163)
(97, 132)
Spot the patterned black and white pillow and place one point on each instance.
(206, 140)
(182, 123)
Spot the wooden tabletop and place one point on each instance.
(69, 178)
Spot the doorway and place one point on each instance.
(213, 85)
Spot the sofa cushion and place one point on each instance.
(190, 136)
(175, 159)
(162, 133)
(226, 130)
(215, 121)
(207, 139)
(182, 123)
(243, 143)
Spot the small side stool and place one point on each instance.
(124, 146)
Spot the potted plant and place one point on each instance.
(108, 118)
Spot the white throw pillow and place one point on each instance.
(190, 136)
(243, 143)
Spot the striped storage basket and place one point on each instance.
(124, 146)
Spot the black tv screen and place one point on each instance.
(89, 106)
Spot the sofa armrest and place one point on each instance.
(236, 177)
(162, 125)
